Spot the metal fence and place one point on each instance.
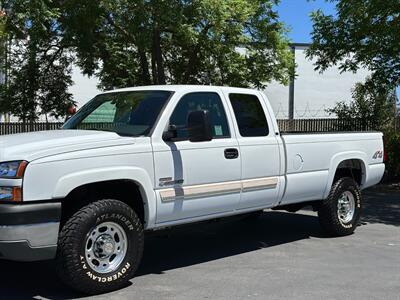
(297, 125)
(12, 128)
(324, 125)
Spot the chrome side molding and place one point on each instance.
(215, 189)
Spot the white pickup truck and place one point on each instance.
(146, 158)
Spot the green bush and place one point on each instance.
(392, 152)
(372, 106)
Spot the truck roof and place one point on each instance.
(175, 88)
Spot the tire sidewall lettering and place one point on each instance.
(72, 260)
(104, 279)
(118, 218)
(115, 216)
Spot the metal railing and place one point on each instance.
(285, 125)
(12, 128)
(324, 125)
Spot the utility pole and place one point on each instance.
(291, 85)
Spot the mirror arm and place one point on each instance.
(167, 136)
(170, 134)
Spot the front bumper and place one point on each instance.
(29, 232)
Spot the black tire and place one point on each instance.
(72, 264)
(328, 210)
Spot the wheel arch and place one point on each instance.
(114, 183)
(348, 164)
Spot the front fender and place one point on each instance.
(68, 183)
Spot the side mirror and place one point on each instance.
(170, 134)
(199, 126)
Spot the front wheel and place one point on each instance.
(340, 213)
(100, 247)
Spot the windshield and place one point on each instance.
(125, 113)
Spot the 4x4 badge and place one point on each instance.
(378, 154)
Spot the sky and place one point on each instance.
(296, 15)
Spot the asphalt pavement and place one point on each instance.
(279, 256)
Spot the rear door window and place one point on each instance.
(249, 115)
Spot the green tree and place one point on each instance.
(2, 26)
(3, 34)
(361, 34)
(3, 45)
(222, 42)
(373, 105)
(40, 62)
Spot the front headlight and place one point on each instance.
(13, 169)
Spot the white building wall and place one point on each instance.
(313, 92)
(278, 96)
(84, 87)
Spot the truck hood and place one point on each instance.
(34, 145)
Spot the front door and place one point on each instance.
(197, 179)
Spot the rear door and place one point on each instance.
(259, 150)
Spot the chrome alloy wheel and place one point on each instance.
(346, 207)
(106, 247)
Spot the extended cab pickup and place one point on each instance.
(146, 158)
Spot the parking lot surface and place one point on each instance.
(279, 256)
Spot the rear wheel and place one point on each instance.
(100, 247)
(340, 213)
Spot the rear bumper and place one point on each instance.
(29, 232)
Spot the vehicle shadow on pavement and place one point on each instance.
(381, 206)
(191, 245)
(170, 249)
(194, 244)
